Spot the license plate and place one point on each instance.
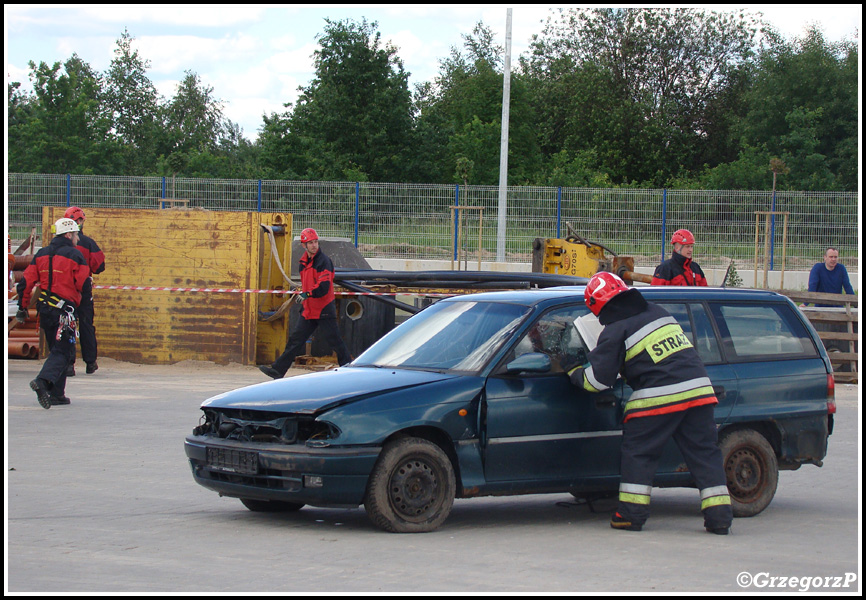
(233, 461)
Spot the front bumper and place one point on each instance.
(331, 476)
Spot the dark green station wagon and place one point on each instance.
(467, 398)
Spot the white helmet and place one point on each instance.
(65, 225)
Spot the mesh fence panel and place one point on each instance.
(417, 221)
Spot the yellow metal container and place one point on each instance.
(181, 249)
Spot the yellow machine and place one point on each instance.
(581, 258)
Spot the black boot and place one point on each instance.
(43, 396)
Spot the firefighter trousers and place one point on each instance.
(86, 330)
(298, 339)
(694, 432)
(61, 353)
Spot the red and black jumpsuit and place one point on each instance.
(672, 398)
(59, 269)
(95, 259)
(679, 270)
(320, 311)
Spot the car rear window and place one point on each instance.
(760, 332)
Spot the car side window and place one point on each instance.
(553, 334)
(696, 324)
(762, 331)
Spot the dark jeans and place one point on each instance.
(303, 330)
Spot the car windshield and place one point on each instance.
(458, 336)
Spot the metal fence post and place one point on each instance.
(558, 210)
(664, 220)
(456, 220)
(68, 190)
(260, 195)
(357, 209)
(162, 204)
(772, 228)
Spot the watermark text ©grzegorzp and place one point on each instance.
(799, 583)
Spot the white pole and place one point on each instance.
(503, 145)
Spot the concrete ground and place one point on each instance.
(100, 499)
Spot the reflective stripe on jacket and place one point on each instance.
(657, 360)
(317, 279)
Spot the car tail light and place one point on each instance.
(831, 394)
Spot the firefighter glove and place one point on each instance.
(21, 315)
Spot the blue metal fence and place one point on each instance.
(415, 220)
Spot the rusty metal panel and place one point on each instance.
(175, 248)
(271, 334)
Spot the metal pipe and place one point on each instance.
(19, 349)
(390, 301)
(455, 278)
(23, 333)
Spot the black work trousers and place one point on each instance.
(694, 432)
(61, 353)
(86, 330)
(303, 330)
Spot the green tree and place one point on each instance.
(134, 105)
(803, 105)
(460, 115)
(638, 86)
(194, 117)
(354, 119)
(63, 127)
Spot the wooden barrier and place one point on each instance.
(838, 329)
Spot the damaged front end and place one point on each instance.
(276, 456)
(262, 427)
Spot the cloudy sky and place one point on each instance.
(255, 57)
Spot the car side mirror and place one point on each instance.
(532, 362)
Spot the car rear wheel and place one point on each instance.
(271, 505)
(751, 469)
(412, 487)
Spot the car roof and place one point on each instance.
(655, 293)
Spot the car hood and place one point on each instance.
(317, 392)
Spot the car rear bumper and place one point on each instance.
(331, 476)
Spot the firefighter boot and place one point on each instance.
(617, 521)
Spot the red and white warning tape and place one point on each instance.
(139, 288)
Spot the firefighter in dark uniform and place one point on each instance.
(96, 262)
(319, 308)
(61, 272)
(680, 269)
(672, 398)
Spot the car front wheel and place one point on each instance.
(751, 469)
(412, 487)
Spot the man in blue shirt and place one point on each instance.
(830, 276)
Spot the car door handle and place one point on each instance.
(719, 390)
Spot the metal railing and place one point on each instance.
(394, 220)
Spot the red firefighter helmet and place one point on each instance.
(308, 235)
(601, 289)
(682, 236)
(74, 213)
